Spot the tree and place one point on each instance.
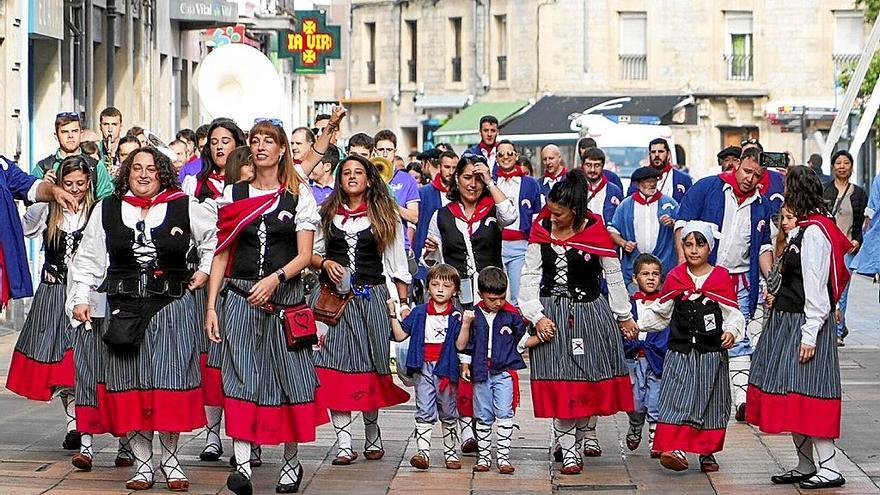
(872, 9)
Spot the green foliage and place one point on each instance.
(872, 8)
(870, 78)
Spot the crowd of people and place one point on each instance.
(182, 285)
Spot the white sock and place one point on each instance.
(484, 444)
(652, 430)
(124, 448)
(504, 431)
(591, 439)
(565, 431)
(212, 430)
(372, 433)
(170, 465)
(450, 440)
(827, 454)
(85, 446)
(291, 469)
(142, 449)
(423, 439)
(739, 378)
(465, 429)
(804, 446)
(342, 425)
(68, 400)
(241, 449)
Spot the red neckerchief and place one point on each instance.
(438, 183)
(165, 196)
(730, 178)
(838, 274)
(297, 162)
(666, 169)
(359, 212)
(639, 198)
(484, 206)
(432, 310)
(234, 217)
(507, 307)
(598, 187)
(718, 286)
(487, 148)
(764, 182)
(561, 173)
(215, 193)
(516, 171)
(641, 296)
(594, 239)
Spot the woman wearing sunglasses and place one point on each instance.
(147, 367)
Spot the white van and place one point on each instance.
(625, 145)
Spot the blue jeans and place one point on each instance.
(646, 388)
(843, 297)
(493, 398)
(513, 255)
(744, 346)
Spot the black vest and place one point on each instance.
(55, 264)
(688, 328)
(368, 259)
(485, 242)
(167, 274)
(584, 276)
(280, 238)
(790, 297)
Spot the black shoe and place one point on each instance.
(741, 413)
(557, 455)
(72, 441)
(254, 462)
(239, 484)
(211, 455)
(790, 477)
(840, 342)
(821, 483)
(291, 487)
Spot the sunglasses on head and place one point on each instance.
(275, 122)
(748, 141)
(67, 115)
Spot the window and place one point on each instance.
(455, 24)
(501, 46)
(849, 30)
(738, 49)
(632, 45)
(412, 64)
(371, 52)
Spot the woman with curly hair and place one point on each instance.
(794, 386)
(359, 248)
(266, 233)
(136, 243)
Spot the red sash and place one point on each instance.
(165, 196)
(234, 217)
(594, 239)
(717, 287)
(838, 274)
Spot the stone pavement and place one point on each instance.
(32, 462)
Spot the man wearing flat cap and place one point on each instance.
(728, 158)
(644, 223)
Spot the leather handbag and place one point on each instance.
(297, 320)
(330, 304)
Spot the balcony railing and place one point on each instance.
(739, 67)
(844, 60)
(634, 67)
(411, 67)
(456, 69)
(371, 72)
(502, 67)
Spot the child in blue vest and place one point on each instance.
(432, 361)
(645, 355)
(491, 342)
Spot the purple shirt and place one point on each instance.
(320, 192)
(192, 167)
(406, 191)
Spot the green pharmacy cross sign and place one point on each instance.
(311, 44)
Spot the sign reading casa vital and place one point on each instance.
(312, 43)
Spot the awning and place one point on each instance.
(464, 127)
(441, 101)
(550, 117)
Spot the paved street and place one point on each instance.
(32, 462)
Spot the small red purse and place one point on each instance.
(299, 326)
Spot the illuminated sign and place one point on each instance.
(311, 44)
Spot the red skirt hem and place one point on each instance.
(273, 425)
(340, 391)
(118, 413)
(35, 380)
(212, 383)
(793, 413)
(574, 400)
(689, 439)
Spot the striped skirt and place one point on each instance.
(582, 371)
(353, 361)
(210, 353)
(90, 357)
(785, 395)
(158, 386)
(43, 358)
(269, 392)
(694, 402)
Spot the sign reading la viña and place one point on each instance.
(312, 43)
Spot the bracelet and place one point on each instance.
(318, 152)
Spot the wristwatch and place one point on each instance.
(280, 274)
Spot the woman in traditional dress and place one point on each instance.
(136, 242)
(794, 386)
(42, 364)
(579, 371)
(359, 249)
(266, 233)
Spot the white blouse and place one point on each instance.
(816, 268)
(35, 217)
(394, 260)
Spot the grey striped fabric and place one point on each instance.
(594, 324)
(696, 390)
(47, 332)
(775, 366)
(168, 357)
(89, 357)
(215, 350)
(200, 303)
(360, 342)
(256, 365)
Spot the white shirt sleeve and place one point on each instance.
(189, 185)
(319, 247)
(203, 224)
(618, 297)
(506, 212)
(32, 192)
(89, 265)
(816, 264)
(394, 259)
(34, 219)
(656, 315)
(733, 321)
(433, 232)
(530, 285)
(307, 217)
